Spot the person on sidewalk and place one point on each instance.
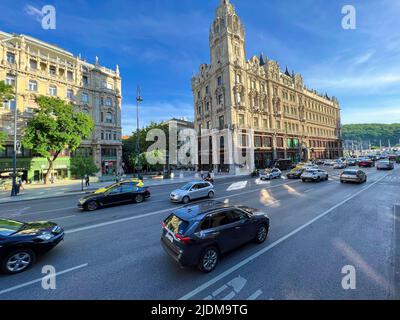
(87, 181)
(21, 187)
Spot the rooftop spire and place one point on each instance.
(262, 59)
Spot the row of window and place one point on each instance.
(109, 135)
(33, 64)
(320, 131)
(323, 144)
(318, 117)
(84, 97)
(207, 88)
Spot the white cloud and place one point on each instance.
(364, 58)
(33, 12)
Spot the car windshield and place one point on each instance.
(351, 173)
(186, 186)
(8, 227)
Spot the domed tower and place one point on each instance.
(227, 38)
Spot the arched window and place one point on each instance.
(109, 117)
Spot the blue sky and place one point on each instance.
(159, 44)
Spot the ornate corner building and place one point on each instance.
(34, 68)
(287, 120)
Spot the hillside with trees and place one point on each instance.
(374, 133)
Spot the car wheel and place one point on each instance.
(92, 206)
(209, 259)
(262, 233)
(304, 180)
(318, 179)
(139, 198)
(185, 199)
(211, 194)
(341, 181)
(18, 261)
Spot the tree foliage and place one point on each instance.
(6, 92)
(132, 161)
(3, 138)
(373, 132)
(55, 127)
(81, 166)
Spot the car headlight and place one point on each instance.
(45, 236)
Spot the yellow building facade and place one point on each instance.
(34, 68)
(286, 119)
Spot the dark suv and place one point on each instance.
(196, 235)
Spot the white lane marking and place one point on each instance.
(271, 246)
(308, 190)
(255, 295)
(40, 279)
(61, 218)
(103, 224)
(229, 296)
(218, 291)
(273, 203)
(47, 211)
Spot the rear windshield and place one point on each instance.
(353, 173)
(176, 224)
(8, 227)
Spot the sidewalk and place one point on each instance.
(73, 187)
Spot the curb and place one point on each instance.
(73, 193)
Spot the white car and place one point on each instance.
(270, 174)
(310, 166)
(340, 165)
(314, 175)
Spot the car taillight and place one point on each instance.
(163, 225)
(184, 240)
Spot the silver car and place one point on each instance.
(384, 165)
(268, 174)
(193, 190)
(314, 175)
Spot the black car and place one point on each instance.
(283, 164)
(118, 194)
(196, 235)
(21, 243)
(295, 174)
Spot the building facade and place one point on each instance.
(35, 68)
(270, 112)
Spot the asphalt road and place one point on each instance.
(316, 230)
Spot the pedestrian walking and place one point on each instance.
(87, 181)
(20, 184)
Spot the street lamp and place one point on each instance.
(139, 99)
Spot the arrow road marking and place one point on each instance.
(255, 295)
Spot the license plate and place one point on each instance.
(169, 237)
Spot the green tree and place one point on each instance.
(375, 133)
(129, 152)
(6, 92)
(80, 167)
(55, 127)
(3, 138)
